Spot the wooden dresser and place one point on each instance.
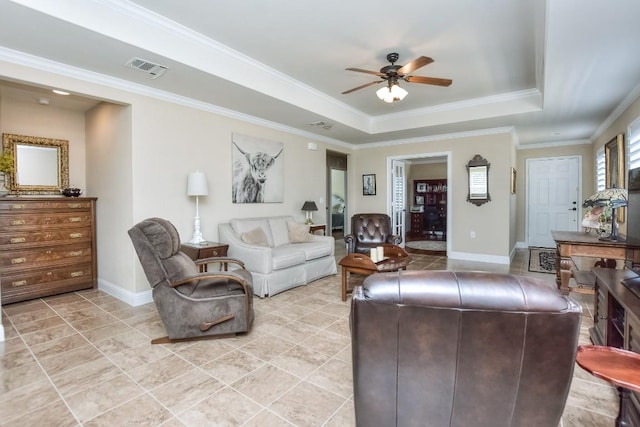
(47, 246)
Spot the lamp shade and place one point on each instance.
(197, 184)
(614, 197)
(309, 206)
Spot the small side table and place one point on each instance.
(620, 367)
(318, 227)
(204, 250)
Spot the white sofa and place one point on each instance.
(278, 264)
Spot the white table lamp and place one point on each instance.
(197, 186)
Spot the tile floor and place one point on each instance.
(85, 359)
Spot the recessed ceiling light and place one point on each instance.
(60, 92)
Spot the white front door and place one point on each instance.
(398, 199)
(553, 202)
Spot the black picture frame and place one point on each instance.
(369, 185)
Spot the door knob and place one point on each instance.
(573, 209)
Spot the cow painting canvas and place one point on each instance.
(258, 170)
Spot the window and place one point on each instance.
(634, 144)
(600, 179)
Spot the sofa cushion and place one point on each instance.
(287, 256)
(279, 231)
(298, 233)
(315, 249)
(243, 225)
(255, 237)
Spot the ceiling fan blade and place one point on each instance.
(362, 87)
(414, 65)
(360, 70)
(428, 80)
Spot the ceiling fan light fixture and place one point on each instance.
(391, 93)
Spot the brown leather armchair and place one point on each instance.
(191, 304)
(440, 348)
(369, 230)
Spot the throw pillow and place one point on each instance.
(298, 233)
(255, 237)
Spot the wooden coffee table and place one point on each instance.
(395, 259)
(620, 367)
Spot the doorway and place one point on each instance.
(554, 186)
(336, 194)
(425, 166)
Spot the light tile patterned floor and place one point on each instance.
(85, 359)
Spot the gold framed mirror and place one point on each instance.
(41, 165)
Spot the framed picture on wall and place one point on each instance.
(614, 162)
(369, 185)
(614, 167)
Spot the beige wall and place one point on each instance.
(33, 119)
(139, 152)
(492, 241)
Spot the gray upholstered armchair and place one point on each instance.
(369, 230)
(191, 304)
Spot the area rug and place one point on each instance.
(542, 260)
(428, 245)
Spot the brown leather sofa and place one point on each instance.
(472, 349)
(369, 230)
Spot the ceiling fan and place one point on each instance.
(392, 73)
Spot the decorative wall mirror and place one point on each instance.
(478, 170)
(41, 165)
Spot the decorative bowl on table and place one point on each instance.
(71, 192)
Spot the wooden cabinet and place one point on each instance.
(47, 246)
(617, 318)
(417, 220)
(430, 192)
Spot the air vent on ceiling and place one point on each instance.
(154, 70)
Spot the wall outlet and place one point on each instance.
(472, 234)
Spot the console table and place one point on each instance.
(579, 243)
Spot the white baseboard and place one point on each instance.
(465, 256)
(1, 332)
(522, 245)
(134, 299)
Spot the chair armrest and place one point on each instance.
(350, 239)
(227, 275)
(220, 260)
(395, 240)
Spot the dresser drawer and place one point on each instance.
(36, 283)
(22, 239)
(45, 256)
(18, 205)
(29, 221)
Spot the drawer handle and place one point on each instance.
(75, 219)
(75, 235)
(19, 283)
(18, 222)
(18, 260)
(77, 274)
(18, 240)
(17, 206)
(75, 253)
(75, 205)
